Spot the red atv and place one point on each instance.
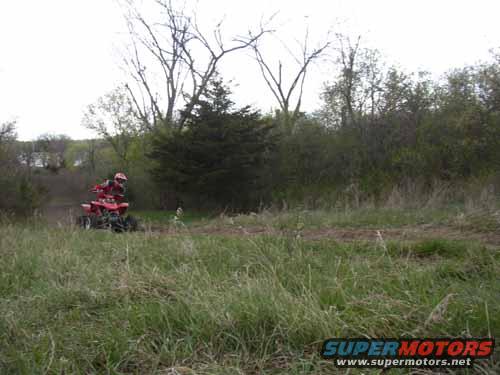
(107, 212)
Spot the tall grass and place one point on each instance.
(473, 194)
(96, 302)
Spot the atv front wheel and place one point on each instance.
(87, 222)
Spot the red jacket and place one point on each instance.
(110, 187)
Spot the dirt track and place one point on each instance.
(413, 233)
(61, 213)
(64, 214)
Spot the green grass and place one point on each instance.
(100, 303)
(359, 218)
(166, 217)
(452, 216)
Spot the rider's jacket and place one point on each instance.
(111, 187)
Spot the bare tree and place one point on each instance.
(357, 91)
(186, 56)
(275, 81)
(349, 77)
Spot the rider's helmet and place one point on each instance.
(120, 178)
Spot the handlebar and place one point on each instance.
(97, 189)
(107, 196)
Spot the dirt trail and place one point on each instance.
(411, 233)
(407, 234)
(64, 213)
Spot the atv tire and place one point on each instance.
(131, 224)
(87, 222)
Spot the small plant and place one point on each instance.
(176, 221)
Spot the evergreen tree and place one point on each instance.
(219, 154)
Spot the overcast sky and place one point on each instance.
(58, 56)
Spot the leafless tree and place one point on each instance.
(276, 83)
(350, 77)
(357, 91)
(187, 58)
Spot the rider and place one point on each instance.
(114, 187)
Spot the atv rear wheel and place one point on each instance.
(131, 224)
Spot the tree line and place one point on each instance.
(183, 141)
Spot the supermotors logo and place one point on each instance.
(385, 353)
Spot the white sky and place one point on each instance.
(58, 56)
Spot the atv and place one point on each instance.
(107, 212)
